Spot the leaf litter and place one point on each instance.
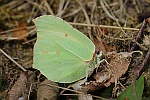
(114, 43)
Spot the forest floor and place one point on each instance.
(120, 26)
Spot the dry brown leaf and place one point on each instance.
(118, 66)
(109, 48)
(21, 34)
(78, 87)
(102, 77)
(92, 86)
(85, 97)
(99, 46)
(47, 92)
(146, 41)
(19, 88)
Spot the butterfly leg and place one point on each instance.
(99, 60)
(89, 71)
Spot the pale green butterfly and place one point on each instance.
(61, 53)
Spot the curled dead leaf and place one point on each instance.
(47, 92)
(19, 88)
(119, 63)
(101, 77)
(118, 66)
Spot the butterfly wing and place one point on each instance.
(60, 51)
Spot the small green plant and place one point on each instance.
(130, 94)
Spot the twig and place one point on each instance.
(104, 26)
(29, 92)
(86, 16)
(79, 93)
(17, 29)
(39, 6)
(12, 60)
(138, 69)
(48, 7)
(138, 35)
(81, 24)
(35, 10)
(62, 7)
(72, 23)
(29, 41)
(112, 16)
(60, 10)
(106, 11)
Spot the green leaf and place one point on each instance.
(129, 92)
(61, 52)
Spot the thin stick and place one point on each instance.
(106, 11)
(48, 7)
(86, 17)
(139, 35)
(138, 69)
(79, 92)
(72, 23)
(12, 60)
(30, 91)
(104, 26)
(17, 29)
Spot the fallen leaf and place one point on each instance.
(47, 92)
(99, 46)
(119, 63)
(109, 48)
(19, 88)
(118, 66)
(22, 33)
(101, 77)
(85, 97)
(146, 40)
